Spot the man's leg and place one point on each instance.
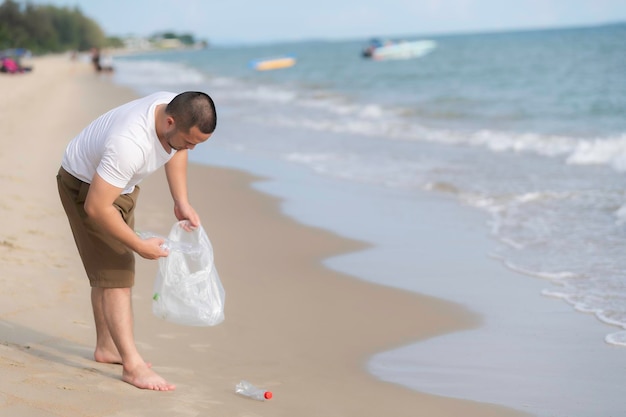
(113, 314)
(106, 351)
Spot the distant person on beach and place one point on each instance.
(101, 63)
(12, 66)
(98, 185)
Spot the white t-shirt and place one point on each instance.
(121, 145)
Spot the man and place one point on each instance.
(98, 188)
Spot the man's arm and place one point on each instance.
(99, 207)
(176, 172)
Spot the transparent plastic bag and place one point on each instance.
(187, 289)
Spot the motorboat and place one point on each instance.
(383, 50)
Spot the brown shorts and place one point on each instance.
(108, 262)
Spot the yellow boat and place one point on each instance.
(266, 64)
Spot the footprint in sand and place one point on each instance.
(11, 363)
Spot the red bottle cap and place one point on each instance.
(268, 395)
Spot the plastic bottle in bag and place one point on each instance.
(170, 245)
(246, 389)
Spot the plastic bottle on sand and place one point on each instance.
(246, 389)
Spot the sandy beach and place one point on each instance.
(292, 325)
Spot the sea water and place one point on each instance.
(526, 130)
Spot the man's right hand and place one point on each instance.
(151, 248)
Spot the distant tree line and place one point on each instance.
(185, 38)
(42, 28)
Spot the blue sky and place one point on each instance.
(253, 21)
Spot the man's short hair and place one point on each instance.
(193, 108)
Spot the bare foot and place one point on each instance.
(107, 356)
(145, 378)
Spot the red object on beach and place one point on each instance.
(268, 395)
